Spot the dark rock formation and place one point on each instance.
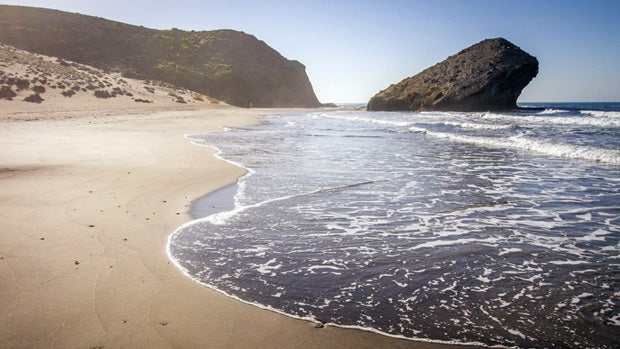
(329, 105)
(486, 76)
(228, 65)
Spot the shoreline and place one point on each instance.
(219, 200)
(88, 205)
(215, 197)
(222, 200)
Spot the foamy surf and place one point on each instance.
(422, 226)
(521, 142)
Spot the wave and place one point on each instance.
(477, 126)
(369, 120)
(437, 243)
(415, 129)
(426, 115)
(241, 184)
(448, 226)
(548, 116)
(554, 111)
(603, 114)
(222, 218)
(309, 318)
(583, 120)
(567, 151)
(522, 142)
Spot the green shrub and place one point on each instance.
(38, 89)
(22, 84)
(34, 98)
(7, 93)
(103, 94)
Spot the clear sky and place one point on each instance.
(354, 49)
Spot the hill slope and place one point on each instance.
(228, 65)
(35, 82)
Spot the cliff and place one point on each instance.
(228, 65)
(489, 75)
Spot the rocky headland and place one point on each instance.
(487, 76)
(228, 65)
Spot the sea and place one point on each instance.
(500, 229)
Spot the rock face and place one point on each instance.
(229, 65)
(486, 76)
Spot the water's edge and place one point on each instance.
(200, 206)
(442, 226)
(219, 200)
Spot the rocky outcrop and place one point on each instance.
(229, 65)
(489, 75)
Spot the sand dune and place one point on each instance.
(36, 83)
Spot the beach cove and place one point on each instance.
(88, 202)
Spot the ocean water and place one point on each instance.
(501, 229)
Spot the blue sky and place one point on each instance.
(353, 49)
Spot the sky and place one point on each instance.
(354, 49)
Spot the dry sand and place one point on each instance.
(90, 190)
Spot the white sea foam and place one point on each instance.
(462, 217)
(610, 156)
(313, 269)
(578, 298)
(241, 182)
(587, 117)
(222, 218)
(585, 217)
(553, 111)
(597, 235)
(477, 126)
(400, 284)
(510, 250)
(269, 267)
(567, 262)
(415, 129)
(584, 120)
(438, 243)
(369, 120)
(604, 114)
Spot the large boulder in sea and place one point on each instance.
(487, 76)
(229, 65)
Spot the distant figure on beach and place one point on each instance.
(250, 105)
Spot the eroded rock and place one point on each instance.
(489, 75)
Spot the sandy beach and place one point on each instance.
(463, 193)
(88, 200)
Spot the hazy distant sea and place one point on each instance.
(491, 228)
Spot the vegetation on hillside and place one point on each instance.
(229, 65)
(35, 78)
